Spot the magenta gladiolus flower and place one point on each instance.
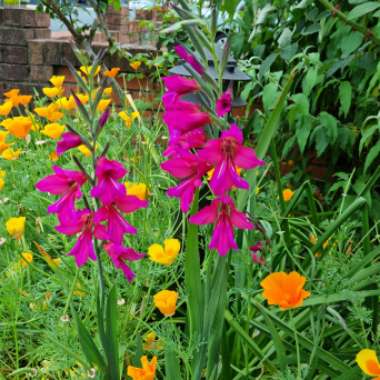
(255, 256)
(185, 121)
(179, 142)
(68, 141)
(226, 154)
(65, 183)
(257, 247)
(180, 85)
(119, 255)
(117, 226)
(190, 168)
(107, 173)
(81, 222)
(223, 214)
(172, 102)
(224, 104)
(190, 59)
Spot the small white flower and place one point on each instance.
(121, 301)
(65, 318)
(92, 373)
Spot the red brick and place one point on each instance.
(13, 72)
(13, 54)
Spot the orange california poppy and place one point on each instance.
(284, 289)
(112, 73)
(368, 363)
(147, 372)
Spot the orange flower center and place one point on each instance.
(373, 367)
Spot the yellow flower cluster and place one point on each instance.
(16, 226)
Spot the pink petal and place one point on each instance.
(207, 215)
(240, 220)
(234, 132)
(180, 85)
(223, 237)
(246, 158)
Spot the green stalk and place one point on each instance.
(276, 165)
(193, 281)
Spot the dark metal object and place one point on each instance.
(231, 73)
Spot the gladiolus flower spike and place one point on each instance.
(104, 222)
(191, 154)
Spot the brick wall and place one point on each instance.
(30, 54)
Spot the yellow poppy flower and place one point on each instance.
(16, 226)
(139, 190)
(103, 104)
(135, 65)
(126, 118)
(27, 258)
(135, 115)
(11, 154)
(6, 108)
(112, 73)
(166, 302)
(146, 372)
(83, 98)
(50, 112)
(53, 130)
(68, 104)
(166, 254)
(18, 126)
(16, 98)
(57, 80)
(87, 70)
(52, 92)
(24, 100)
(287, 194)
(368, 363)
(107, 91)
(14, 92)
